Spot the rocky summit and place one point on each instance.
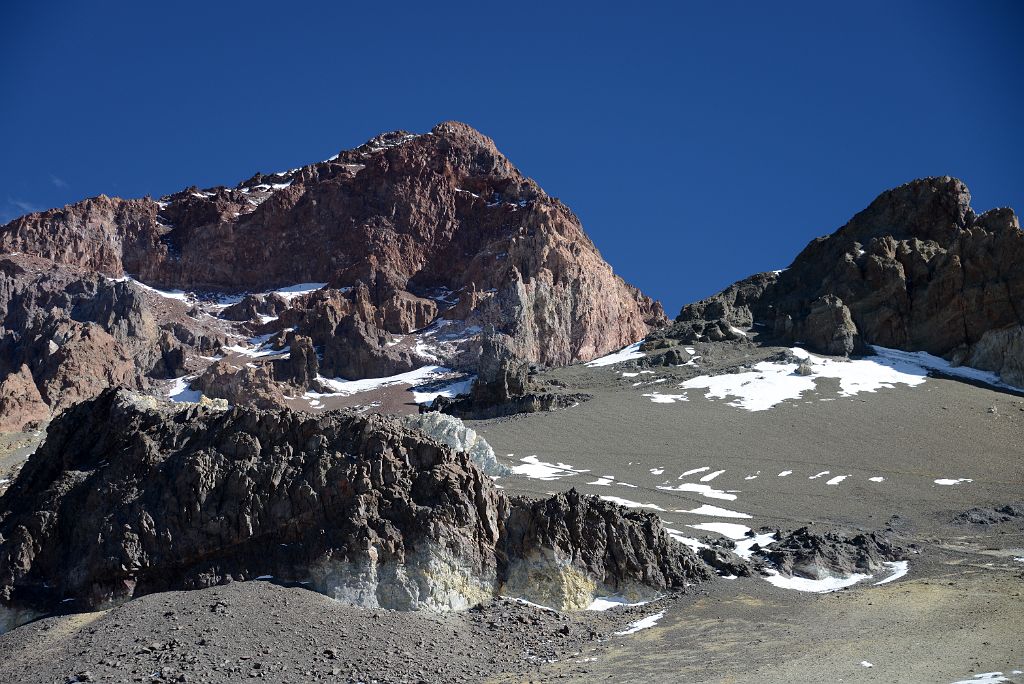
(917, 270)
(403, 232)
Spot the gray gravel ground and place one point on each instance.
(958, 612)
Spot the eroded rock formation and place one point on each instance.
(814, 555)
(404, 215)
(128, 496)
(67, 334)
(503, 386)
(917, 270)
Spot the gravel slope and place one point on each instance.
(956, 614)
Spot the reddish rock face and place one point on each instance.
(20, 402)
(405, 215)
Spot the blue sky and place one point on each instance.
(698, 142)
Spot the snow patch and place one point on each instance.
(702, 489)
(631, 504)
(344, 388)
(535, 469)
(818, 586)
(897, 568)
(625, 354)
(643, 623)
(984, 678)
(949, 482)
(448, 391)
(940, 365)
(292, 291)
(769, 384)
(730, 530)
(602, 603)
(659, 398)
(179, 391)
(715, 511)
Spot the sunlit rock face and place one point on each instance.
(917, 270)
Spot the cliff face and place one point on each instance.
(405, 215)
(129, 496)
(917, 270)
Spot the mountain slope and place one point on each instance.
(917, 270)
(407, 232)
(405, 214)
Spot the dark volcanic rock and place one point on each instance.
(128, 496)
(359, 349)
(991, 516)
(604, 543)
(804, 553)
(917, 270)
(253, 306)
(502, 387)
(302, 366)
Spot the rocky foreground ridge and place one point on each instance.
(404, 232)
(918, 270)
(130, 496)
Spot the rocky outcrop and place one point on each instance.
(563, 549)
(503, 386)
(243, 383)
(21, 405)
(77, 333)
(723, 316)
(255, 306)
(985, 515)
(813, 555)
(917, 270)
(128, 496)
(434, 224)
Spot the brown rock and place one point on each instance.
(20, 402)
(917, 270)
(403, 217)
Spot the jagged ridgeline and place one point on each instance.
(917, 270)
(130, 496)
(400, 234)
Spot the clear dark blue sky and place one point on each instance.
(698, 142)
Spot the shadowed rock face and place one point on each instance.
(503, 386)
(917, 270)
(402, 215)
(67, 334)
(128, 496)
(804, 553)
